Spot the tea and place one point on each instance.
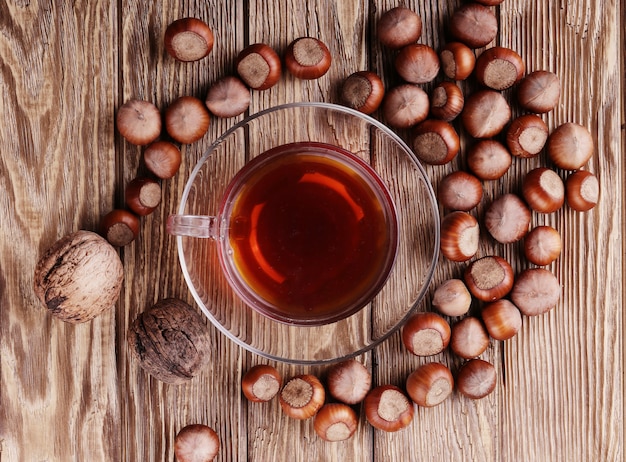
(312, 231)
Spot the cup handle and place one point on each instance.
(193, 226)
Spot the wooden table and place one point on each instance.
(72, 393)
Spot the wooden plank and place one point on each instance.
(342, 27)
(71, 393)
(153, 412)
(573, 350)
(57, 172)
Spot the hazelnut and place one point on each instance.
(261, 383)
(485, 114)
(188, 39)
(430, 384)
(307, 58)
(489, 278)
(457, 60)
(473, 24)
(79, 277)
(302, 396)
(139, 122)
(417, 63)
(363, 91)
(143, 195)
(435, 142)
(526, 136)
(187, 119)
(388, 408)
(170, 341)
(459, 236)
(502, 319)
(469, 338)
(536, 291)
(399, 27)
(488, 159)
(582, 190)
(570, 146)
(542, 245)
(476, 378)
(543, 190)
(460, 190)
(163, 159)
(499, 68)
(228, 97)
(507, 219)
(426, 334)
(452, 298)
(335, 422)
(348, 381)
(446, 101)
(196, 443)
(120, 227)
(539, 91)
(259, 66)
(405, 106)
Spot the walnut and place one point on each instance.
(79, 277)
(170, 340)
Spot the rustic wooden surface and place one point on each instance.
(71, 393)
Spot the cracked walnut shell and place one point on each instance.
(170, 340)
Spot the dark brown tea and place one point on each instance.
(313, 232)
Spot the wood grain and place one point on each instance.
(72, 393)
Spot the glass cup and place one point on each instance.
(307, 232)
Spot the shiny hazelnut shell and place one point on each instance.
(489, 278)
(485, 114)
(259, 66)
(502, 319)
(582, 190)
(469, 338)
(507, 218)
(460, 190)
(476, 379)
(430, 384)
(539, 91)
(335, 422)
(307, 58)
(542, 245)
(405, 106)
(543, 190)
(417, 63)
(526, 136)
(187, 119)
(457, 60)
(570, 146)
(302, 396)
(426, 334)
(163, 159)
(488, 159)
(446, 101)
(387, 408)
(261, 383)
(435, 142)
(363, 91)
(398, 27)
(460, 235)
(499, 68)
(188, 39)
(536, 291)
(473, 24)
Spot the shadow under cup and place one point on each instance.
(400, 271)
